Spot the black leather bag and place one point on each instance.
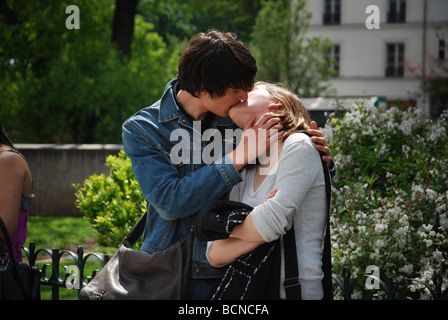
(138, 275)
(18, 281)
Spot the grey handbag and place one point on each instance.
(138, 275)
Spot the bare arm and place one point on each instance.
(11, 185)
(225, 251)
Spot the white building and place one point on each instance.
(387, 48)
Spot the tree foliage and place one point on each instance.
(285, 54)
(70, 86)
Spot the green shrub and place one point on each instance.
(114, 203)
(390, 196)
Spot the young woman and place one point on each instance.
(15, 194)
(288, 187)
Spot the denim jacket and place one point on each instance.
(176, 190)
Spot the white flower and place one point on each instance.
(407, 269)
(389, 175)
(437, 132)
(405, 150)
(380, 227)
(431, 193)
(416, 191)
(443, 220)
(380, 243)
(406, 127)
(382, 151)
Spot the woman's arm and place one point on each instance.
(222, 252)
(246, 230)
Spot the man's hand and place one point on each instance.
(256, 139)
(321, 143)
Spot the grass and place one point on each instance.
(64, 233)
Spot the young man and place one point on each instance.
(214, 73)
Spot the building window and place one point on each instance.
(395, 60)
(397, 11)
(333, 57)
(332, 12)
(442, 49)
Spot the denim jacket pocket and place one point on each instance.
(201, 268)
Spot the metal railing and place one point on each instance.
(74, 276)
(389, 287)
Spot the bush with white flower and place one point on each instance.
(390, 206)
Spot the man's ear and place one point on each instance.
(203, 91)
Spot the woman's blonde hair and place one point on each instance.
(293, 114)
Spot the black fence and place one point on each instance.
(74, 276)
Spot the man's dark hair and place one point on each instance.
(214, 62)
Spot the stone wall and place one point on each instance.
(55, 167)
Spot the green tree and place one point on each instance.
(285, 54)
(182, 19)
(227, 15)
(69, 86)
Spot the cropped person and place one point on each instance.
(289, 187)
(15, 194)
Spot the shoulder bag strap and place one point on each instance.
(136, 232)
(7, 240)
(327, 282)
(292, 280)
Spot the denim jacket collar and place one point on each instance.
(170, 110)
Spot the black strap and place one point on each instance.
(327, 282)
(7, 240)
(292, 280)
(136, 232)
